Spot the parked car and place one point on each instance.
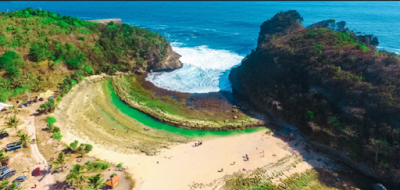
(12, 144)
(41, 99)
(13, 148)
(3, 135)
(51, 97)
(36, 172)
(20, 179)
(6, 172)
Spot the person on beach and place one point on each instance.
(98, 119)
(244, 169)
(233, 163)
(35, 185)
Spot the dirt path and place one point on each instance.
(29, 121)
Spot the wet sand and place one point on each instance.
(79, 111)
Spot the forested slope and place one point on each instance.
(40, 49)
(331, 83)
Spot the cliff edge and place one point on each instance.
(332, 84)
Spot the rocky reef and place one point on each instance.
(125, 93)
(332, 84)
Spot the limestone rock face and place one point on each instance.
(283, 23)
(169, 63)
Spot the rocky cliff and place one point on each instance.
(332, 84)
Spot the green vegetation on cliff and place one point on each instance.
(335, 86)
(38, 49)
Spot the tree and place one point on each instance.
(395, 132)
(96, 182)
(24, 138)
(76, 176)
(3, 157)
(52, 104)
(119, 166)
(73, 145)
(40, 51)
(51, 120)
(2, 130)
(12, 62)
(14, 187)
(4, 184)
(13, 122)
(56, 136)
(61, 160)
(310, 115)
(379, 145)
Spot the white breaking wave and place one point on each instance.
(204, 70)
(394, 50)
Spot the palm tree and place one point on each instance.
(13, 122)
(61, 160)
(2, 130)
(76, 176)
(4, 184)
(24, 138)
(57, 136)
(96, 182)
(3, 157)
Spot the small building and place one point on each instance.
(113, 181)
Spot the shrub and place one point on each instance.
(106, 166)
(12, 62)
(74, 145)
(88, 147)
(40, 51)
(56, 129)
(3, 40)
(310, 115)
(51, 120)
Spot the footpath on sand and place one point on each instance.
(47, 180)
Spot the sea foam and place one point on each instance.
(204, 70)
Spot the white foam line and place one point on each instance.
(204, 70)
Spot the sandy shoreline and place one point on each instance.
(183, 166)
(180, 166)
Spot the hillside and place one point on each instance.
(331, 83)
(40, 49)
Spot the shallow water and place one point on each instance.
(151, 122)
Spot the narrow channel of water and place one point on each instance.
(151, 122)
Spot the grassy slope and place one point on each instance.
(338, 91)
(52, 46)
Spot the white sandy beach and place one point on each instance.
(187, 164)
(182, 165)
